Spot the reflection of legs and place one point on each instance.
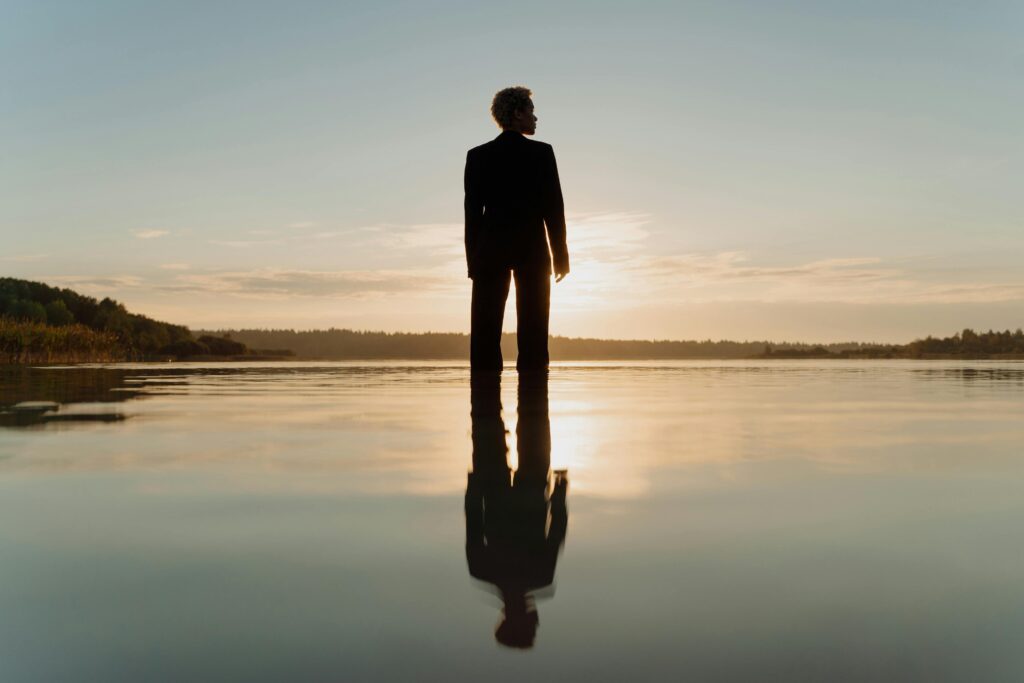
(533, 302)
(533, 430)
(487, 310)
(490, 450)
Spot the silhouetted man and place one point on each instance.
(509, 542)
(512, 191)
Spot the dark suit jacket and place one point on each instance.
(512, 190)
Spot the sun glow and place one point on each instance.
(582, 442)
(600, 248)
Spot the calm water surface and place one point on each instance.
(318, 522)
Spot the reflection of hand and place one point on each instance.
(561, 485)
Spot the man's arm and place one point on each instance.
(554, 217)
(559, 513)
(556, 530)
(474, 205)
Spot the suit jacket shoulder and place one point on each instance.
(490, 144)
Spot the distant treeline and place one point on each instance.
(343, 344)
(966, 344)
(40, 324)
(970, 344)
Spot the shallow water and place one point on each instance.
(309, 521)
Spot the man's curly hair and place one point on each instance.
(507, 101)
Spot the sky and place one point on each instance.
(815, 171)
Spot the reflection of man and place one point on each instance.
(512, 192)
(508, 539)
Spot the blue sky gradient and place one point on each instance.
(812, 170)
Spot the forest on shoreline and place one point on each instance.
(43, 324)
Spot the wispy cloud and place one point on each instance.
(245, 244)
(281, 283)
(436, 238)
(150, 234)
(732, 266)
(608, 235)
(23, 258)
(174, 266)
(302, 224)
(94, 284)
(736, 276)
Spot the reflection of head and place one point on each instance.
(518, 629)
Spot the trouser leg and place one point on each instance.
(486, 312)
(533, 302)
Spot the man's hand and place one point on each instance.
(560, 274)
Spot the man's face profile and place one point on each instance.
(525, 121)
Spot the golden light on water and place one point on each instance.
(580, 443)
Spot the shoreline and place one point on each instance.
(78, 360)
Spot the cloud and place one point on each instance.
(24, 258)
(174, 266)
(150, 234)
(729, 266)
(734, 276)
(90, 283)
(436, 238)
(302, 224)
(607, 235)
(289, 239)
(281, 283)
(243, 244)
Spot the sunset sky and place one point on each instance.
(816, 171)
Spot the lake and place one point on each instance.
(721, 520)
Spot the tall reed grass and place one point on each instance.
(33, 342)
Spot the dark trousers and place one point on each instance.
(533, 302)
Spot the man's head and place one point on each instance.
(512, 109)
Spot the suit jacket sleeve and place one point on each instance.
(554, 215)
(474, 206)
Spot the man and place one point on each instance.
(512, 191)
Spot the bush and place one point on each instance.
(28, 310)
(57, 313)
